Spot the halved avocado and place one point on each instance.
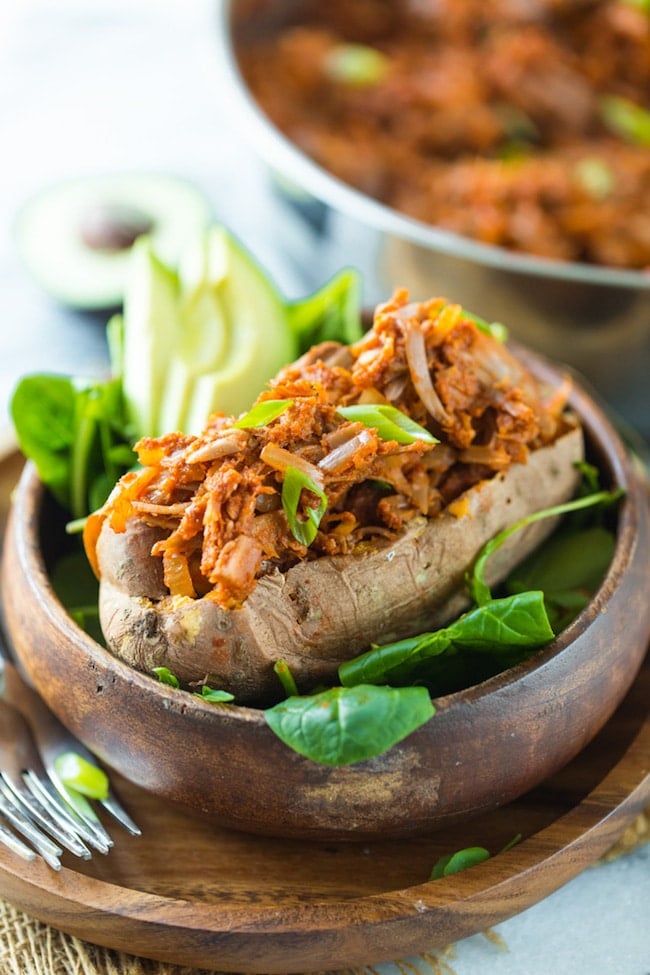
(76, 237)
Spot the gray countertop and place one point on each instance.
(124, 85)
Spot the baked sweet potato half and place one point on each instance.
(343, 510)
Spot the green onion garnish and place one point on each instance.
(263, 413)
(295, 481)
(288, 681)
(626, 119)
(81, 775)
(497, 330)
(595, 176)
(460, 860)
(214, 696)
(389, 422)
(356, 65)
(165, 676)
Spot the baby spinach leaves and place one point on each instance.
(544, 595)
(76, 586)
(76, 433)
(519, 620)
(568, 569)
(331, 314)
(344, 725)
(476, 581)
(210, 695)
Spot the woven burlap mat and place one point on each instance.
(28, 947)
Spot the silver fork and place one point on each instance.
(33, 800)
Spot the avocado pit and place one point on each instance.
(111, 227)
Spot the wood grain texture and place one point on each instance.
(484, 747)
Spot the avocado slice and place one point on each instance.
(76, 237)
(205, 338)
(255, 339)
(150, 334)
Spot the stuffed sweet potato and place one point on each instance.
(343, 510)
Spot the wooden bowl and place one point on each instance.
(485, 746)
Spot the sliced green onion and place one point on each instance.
(214, 696)
(626, 119)
(460, 860)
(281, 668)
(263, 413)
(165, 676)
(389, 422)
(595, 176)
(497, 330)
(356, 65)
(513, 842)
(295, 481)
(76, 772)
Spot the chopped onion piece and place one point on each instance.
(228, 442)
(416, 356)
(339, 457)
(280, 459)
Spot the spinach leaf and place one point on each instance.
(577, 560)
(77, 588)
(333, 313)
(43, 413)
(518, 620)
(75, 432)
(388, 662)
(568, 568)
(476, 577)
(344, 725)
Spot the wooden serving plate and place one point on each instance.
(191, 893)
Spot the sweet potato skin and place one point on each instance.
(322, 612)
